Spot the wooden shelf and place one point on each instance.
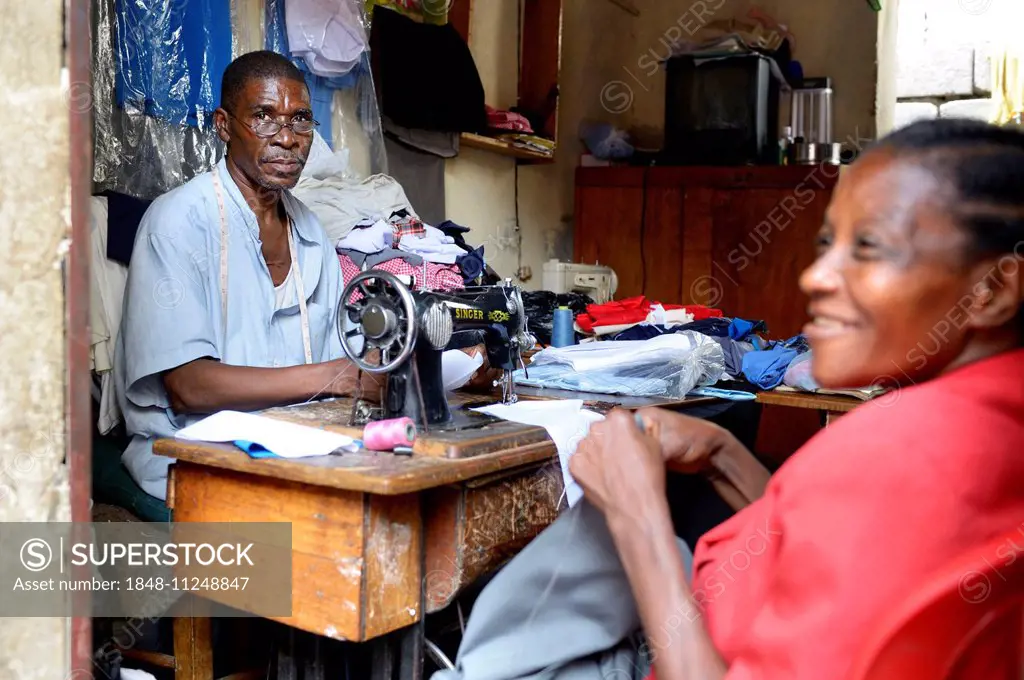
(503, 148)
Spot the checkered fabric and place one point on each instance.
(429, 275)
(407, 226)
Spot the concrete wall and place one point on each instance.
(480, 187)
(607, 75)
(836, 38)
(33, 225)
(944, 56)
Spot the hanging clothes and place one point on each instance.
(171, 57)
(328, 35)
(281, 32)
(107, 279)
(124, 214)
(427, 77)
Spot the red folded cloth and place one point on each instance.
(633, 310)
(508, 120)
(701, 312)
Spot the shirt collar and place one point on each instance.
(304, 228)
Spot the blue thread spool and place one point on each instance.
(563, 333)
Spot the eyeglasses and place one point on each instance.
(269, 128)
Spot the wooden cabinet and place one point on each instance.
(733, 238)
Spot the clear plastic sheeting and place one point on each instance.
(157, 66)
(667, 366)
(157, 69)
(247, 27)
(344, 105)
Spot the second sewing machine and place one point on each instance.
(411, 330)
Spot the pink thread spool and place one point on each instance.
(385, 435)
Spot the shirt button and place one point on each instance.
(277, 364)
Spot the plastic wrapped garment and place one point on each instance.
(345, 105)
(667, 366)
(328, 35)
(163, 61)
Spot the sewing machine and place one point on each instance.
(411, 330)
(597, 281)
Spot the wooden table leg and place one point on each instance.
(193, 648)
(399, 655)
(832, 416)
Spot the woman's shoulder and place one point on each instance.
(957, 424)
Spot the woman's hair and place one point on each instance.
(984, 164)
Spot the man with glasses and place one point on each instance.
(233, 288)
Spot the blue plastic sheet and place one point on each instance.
(171, 55)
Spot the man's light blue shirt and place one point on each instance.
(172, 307)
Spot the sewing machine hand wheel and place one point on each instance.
(385, 317)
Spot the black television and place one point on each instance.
(721, 111)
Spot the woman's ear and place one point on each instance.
(998, 295)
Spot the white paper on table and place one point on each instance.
(284, 439)
(132, 674)
(457, 368)
(566, 422)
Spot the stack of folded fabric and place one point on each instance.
(516, 129)
(734, 335)
(403, 245)
(508, 120)
(620, 315)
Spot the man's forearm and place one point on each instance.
(672, 621)
(207, 386)
(736, 467)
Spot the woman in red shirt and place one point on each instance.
(918, 286)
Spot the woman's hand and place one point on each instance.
(687, 443)
(621, 468)
(691, 445)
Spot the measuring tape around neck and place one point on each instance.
(300, 286)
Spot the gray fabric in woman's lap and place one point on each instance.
(561, 610)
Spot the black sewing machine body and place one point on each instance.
(411, 330)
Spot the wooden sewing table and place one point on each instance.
(378, 539)
(830, 406)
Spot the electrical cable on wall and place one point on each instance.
(643, 231)
(519, 229)
(519, 73)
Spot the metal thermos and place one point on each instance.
(811, 111)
